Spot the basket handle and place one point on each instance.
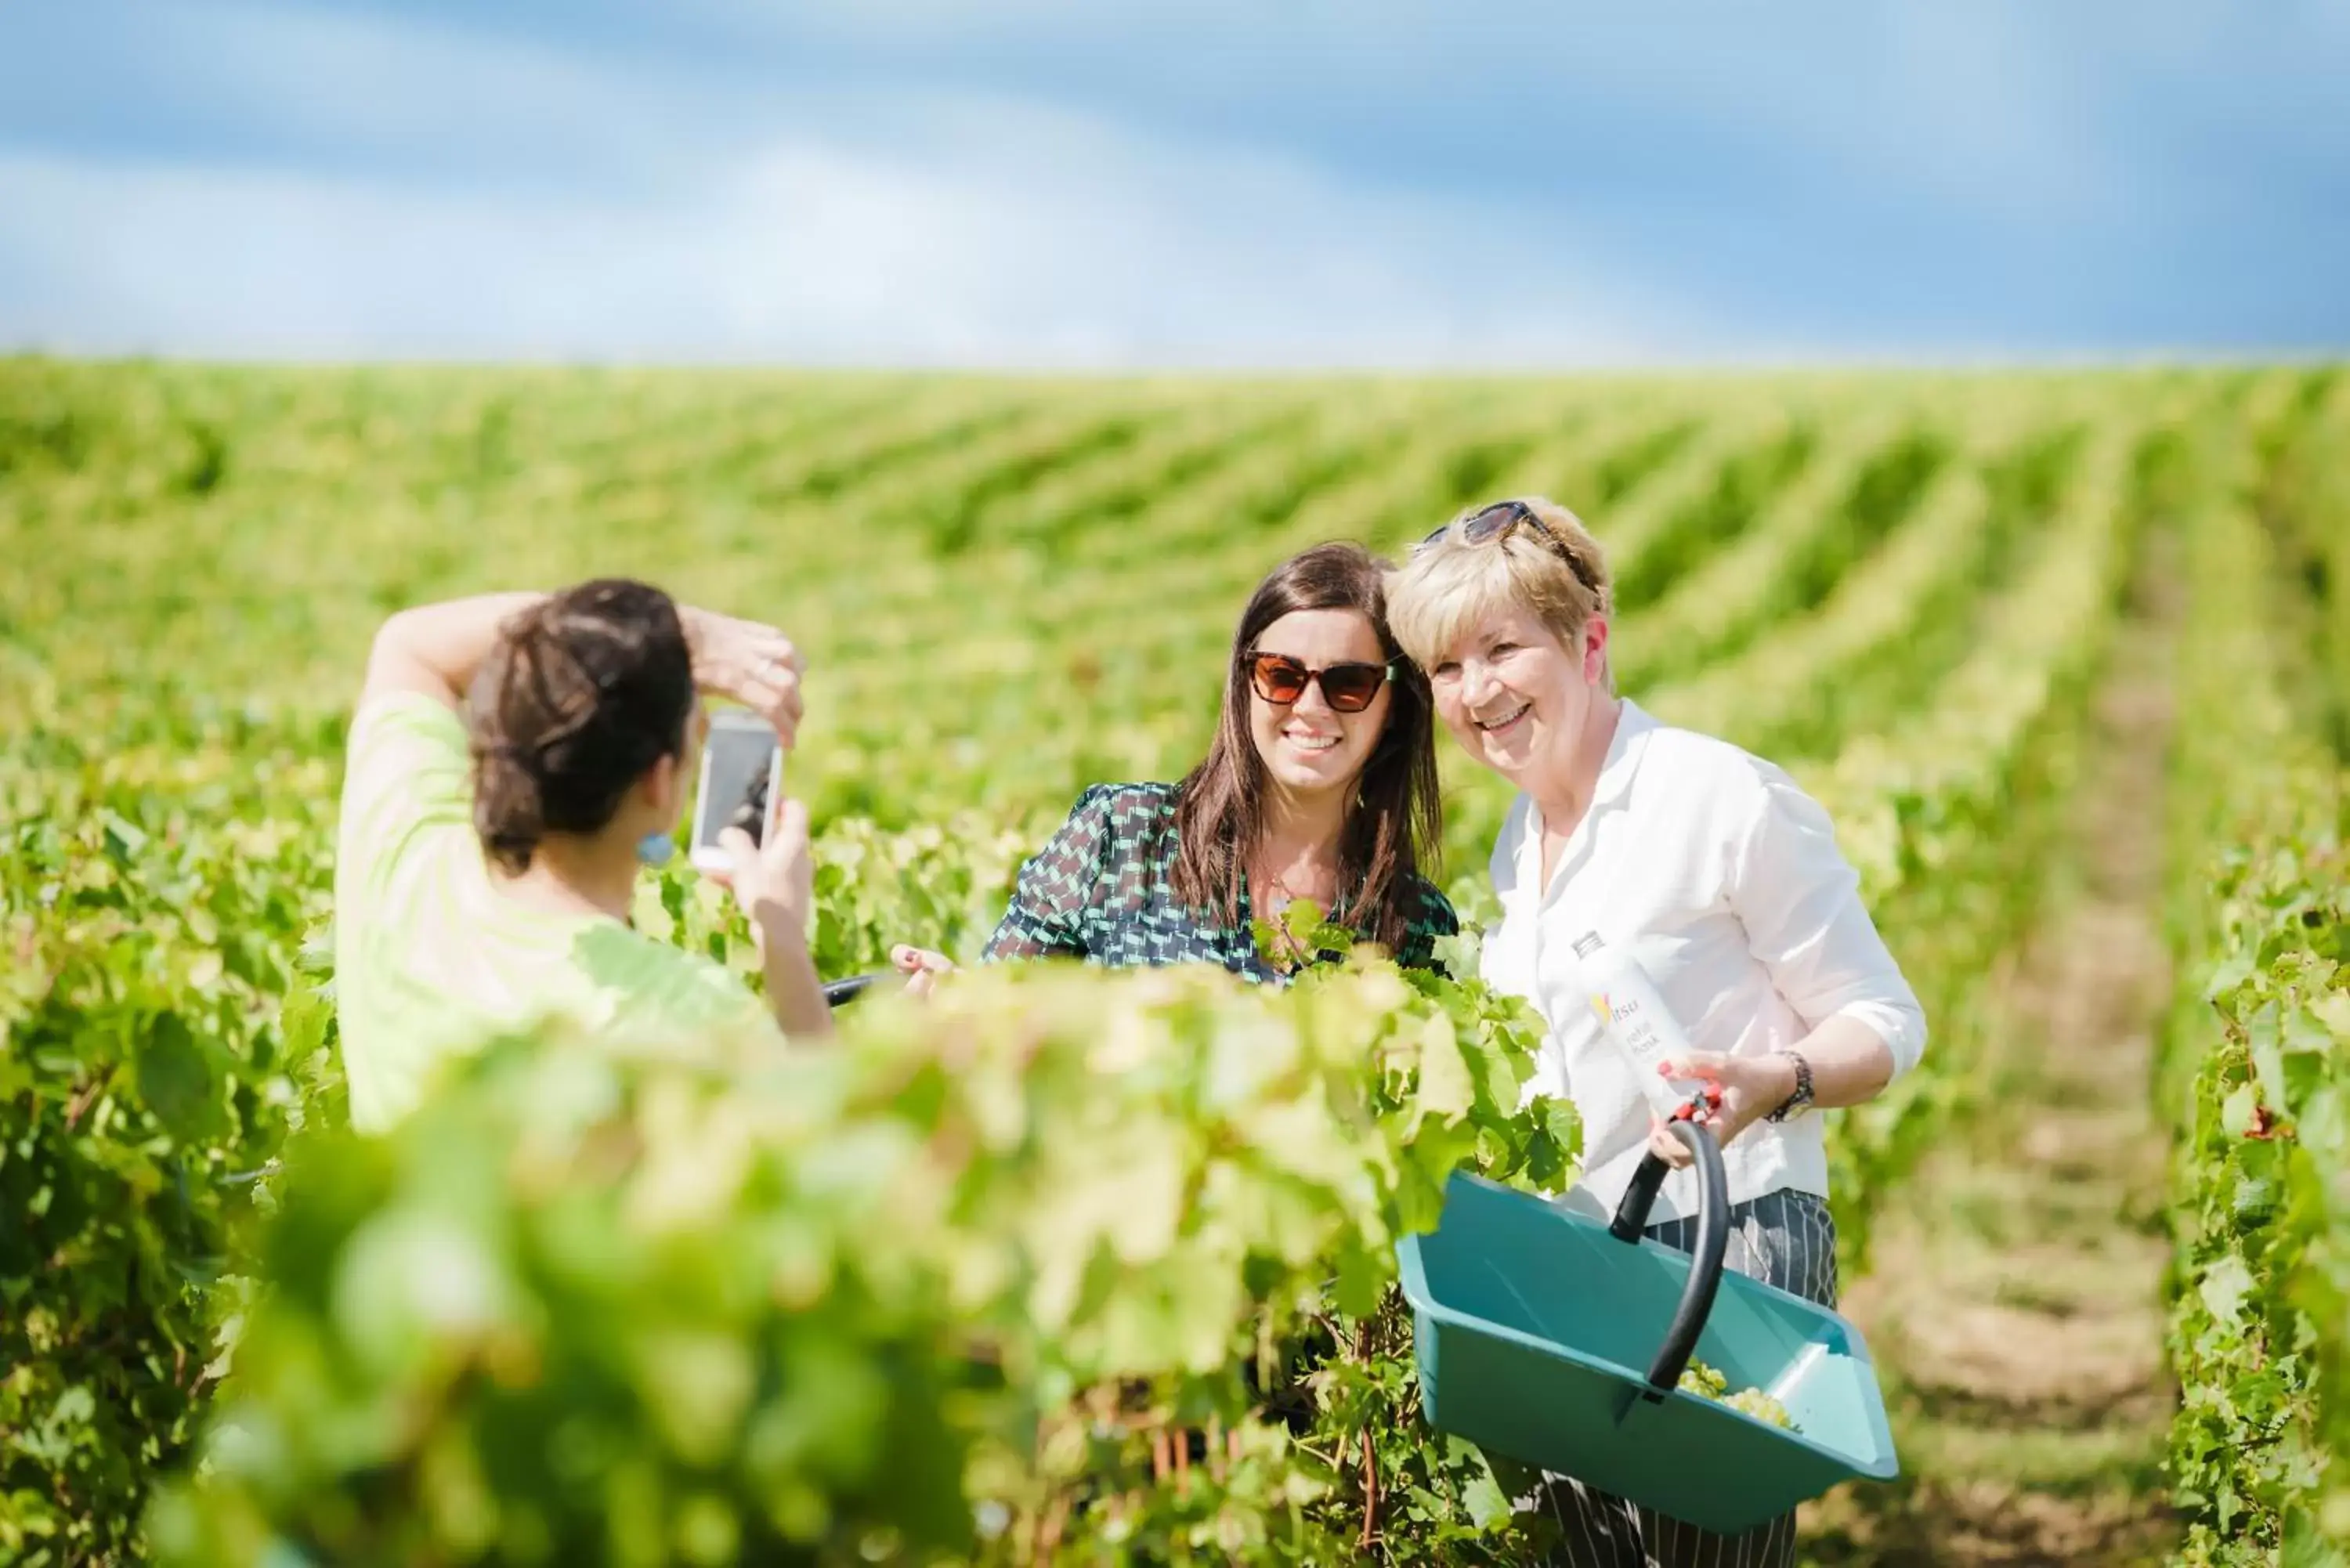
(1712, 1241)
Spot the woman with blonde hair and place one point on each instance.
(1709, 867)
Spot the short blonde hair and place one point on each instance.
(1448, 586)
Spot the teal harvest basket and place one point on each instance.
(1556, 1340)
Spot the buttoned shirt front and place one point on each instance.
(1721, 875)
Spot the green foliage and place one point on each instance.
(2257, 1063)
(2256, 1334)
(941, 1289)
(154, 1049)
(1008, 589)
(1302, 934)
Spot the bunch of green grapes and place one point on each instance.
(1703, 1381)
(1708, 1383)
(1762, 1407)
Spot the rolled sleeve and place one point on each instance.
(1799, 900)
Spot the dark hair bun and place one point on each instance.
(585, 691)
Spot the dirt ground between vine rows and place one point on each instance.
(2013, 1296)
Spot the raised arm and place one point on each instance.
(775, 882)
(435, 649)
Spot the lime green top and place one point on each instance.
(432, 959)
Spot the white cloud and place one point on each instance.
(892, 183)
(1008, 238)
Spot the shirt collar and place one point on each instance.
(1633, 726)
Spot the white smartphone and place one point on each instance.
(741, 781)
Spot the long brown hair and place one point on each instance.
(1392, 828)
(583, 691)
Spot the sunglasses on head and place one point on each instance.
(1496, 521)
(1349, 687)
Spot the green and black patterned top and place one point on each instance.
(1103, 891)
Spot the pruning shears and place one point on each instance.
(1700, 1107)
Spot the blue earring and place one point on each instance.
(655, 848)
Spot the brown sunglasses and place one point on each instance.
(1349, 687)
(1495, 522)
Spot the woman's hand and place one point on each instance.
(920, 966)
(1749, 1088)
(774, 881)
(752, 664)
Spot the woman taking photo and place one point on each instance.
(513, 761)
(1714, 871)
(1320, 785)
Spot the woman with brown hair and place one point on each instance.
(1320, 785)
(513, 761)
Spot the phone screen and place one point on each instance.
(740, 762)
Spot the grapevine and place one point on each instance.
(1901, 586)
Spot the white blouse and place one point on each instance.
(1716, 872)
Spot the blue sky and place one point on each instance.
(1229, 183)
